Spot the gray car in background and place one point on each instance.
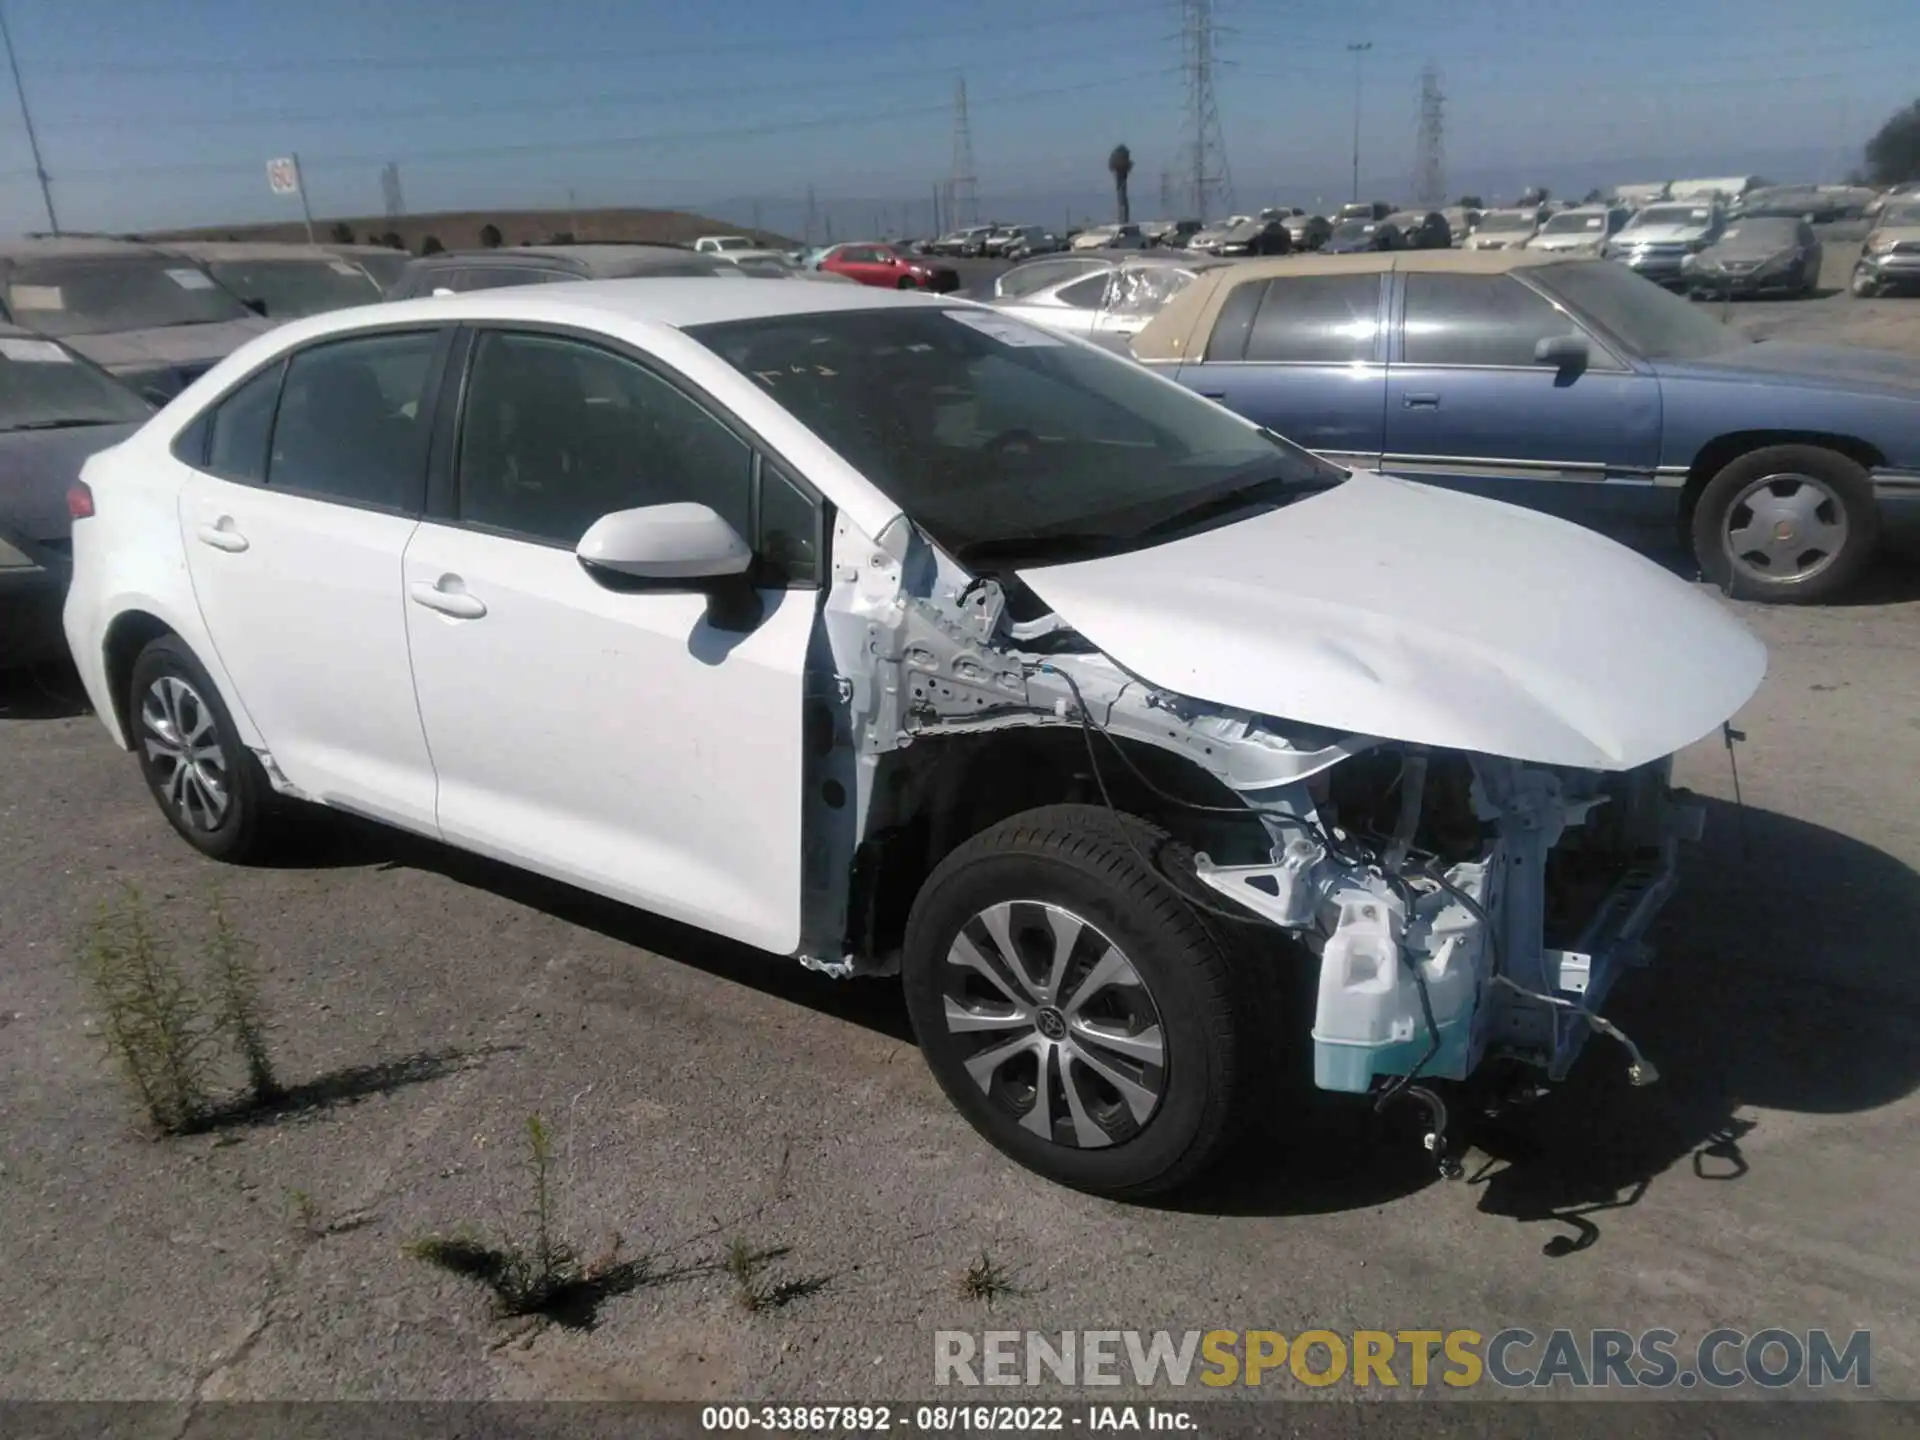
(158, 321)
(1762, 255)
(282, 282)
(56, 409)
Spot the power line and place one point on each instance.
(917, 37)
(626, 98)
(844, 120)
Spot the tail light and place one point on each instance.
(80, 500)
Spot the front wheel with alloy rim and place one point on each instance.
(1786, 523)
(1077, 1009)
(210, 787)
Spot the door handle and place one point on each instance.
(1425, 400)
(222, 536)
(456, 603)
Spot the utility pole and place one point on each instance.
(26, 119)
(1358, 51)
(1209, 177)
(306, 206)
(813, 216)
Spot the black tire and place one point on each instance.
(241, 829)
(1848, 501)
(1216, 1012)
(1863, 286)
(904, 283)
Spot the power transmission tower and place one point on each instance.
(813, 216)
(963, 205)
(1430, 146)
(1208, 178)
(1166, 191)
(33, 138)
(390, 188)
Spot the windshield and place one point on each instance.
(386, 269)
(1908, 214)
(1695, 216)
(1571, 222)
(292, 288)
(1648, 320)
(1761, 234)
(1506, 222)
(1354, 230)
(44, 387)
(1005, 442)
(102, 296)
(731, 242)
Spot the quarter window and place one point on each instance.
(558, 433)
(1478, 320)
(354, 421)
(1085, 294)
(240, 426)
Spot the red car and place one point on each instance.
(889, 267)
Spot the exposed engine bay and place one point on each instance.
(1462, 907)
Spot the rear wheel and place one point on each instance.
(904, 283)
(210, 787)
(1081, 1014)
(1786, 523)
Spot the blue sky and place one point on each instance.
(163, 112)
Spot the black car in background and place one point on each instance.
(56, 409)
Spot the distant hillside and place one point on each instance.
(461, 229)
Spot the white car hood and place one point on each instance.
(1658, 235)
(1411, 613)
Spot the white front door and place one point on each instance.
(295, 522)
(611, 737)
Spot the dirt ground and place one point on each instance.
(424, 1004)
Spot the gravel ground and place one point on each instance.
(425, 1003)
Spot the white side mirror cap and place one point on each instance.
(680, 541)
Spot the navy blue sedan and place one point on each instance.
(1570, 386)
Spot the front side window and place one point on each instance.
(1006, 443)
(1084, 294)
(1650, 321)
(1478, 320)
(354, 419)
(1315, 320)
(559, 433)
(99, 296)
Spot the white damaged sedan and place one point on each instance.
(897, 636)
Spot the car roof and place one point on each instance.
(72, 247)
(212, 250)
(675, 301)
(1192, 311)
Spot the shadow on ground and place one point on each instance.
(1781, 984)
(348, 1086)
(50, 691)
(332, 840)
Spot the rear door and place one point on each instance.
(1470, 408)
(303, 489)
(1303, 355)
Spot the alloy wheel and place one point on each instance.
(1785, 528)
(1067, 1038)
(182, 745)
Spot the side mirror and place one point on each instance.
(679, 546)
(258, 307)
(1563, 352)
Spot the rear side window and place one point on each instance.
(1301, 320)
(354, 420)
(1084, 294)
(1478, 320)
(239, 426)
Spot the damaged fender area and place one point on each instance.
(1461, 906)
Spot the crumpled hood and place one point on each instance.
(169, 345)
(37, 466)
(1393, 609)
